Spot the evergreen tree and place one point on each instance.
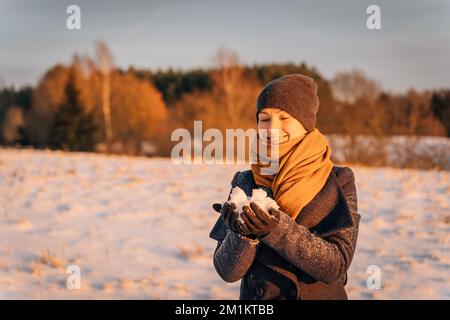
(440, 105)
(72, 127)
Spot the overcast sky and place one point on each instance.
(411, 50)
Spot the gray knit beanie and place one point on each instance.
(295, 94)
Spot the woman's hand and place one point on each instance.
(229, 216)
(259, 222)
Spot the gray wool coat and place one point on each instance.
(302, 259)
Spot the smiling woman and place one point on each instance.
(280, 122)
(304, 249)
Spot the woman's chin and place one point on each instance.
(276, 141)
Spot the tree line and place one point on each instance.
(91, 105)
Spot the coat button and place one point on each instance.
(259, 291)
(293, 293)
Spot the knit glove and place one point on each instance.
(229, 216)
(259, 222)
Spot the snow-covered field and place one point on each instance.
(138, 228)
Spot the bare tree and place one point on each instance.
(417, 108)
(13, 121)
(229, 78)
(349, 86)
(105, 63)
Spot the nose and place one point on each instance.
(273, 135)
(274, 124)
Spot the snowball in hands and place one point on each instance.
(259, 196)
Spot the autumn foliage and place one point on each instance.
(90, 104)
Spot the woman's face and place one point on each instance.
(288, 127)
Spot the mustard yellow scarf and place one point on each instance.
(304, 167)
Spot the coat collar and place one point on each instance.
(329, 210)
(326, 213)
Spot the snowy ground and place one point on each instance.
(138, 228)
